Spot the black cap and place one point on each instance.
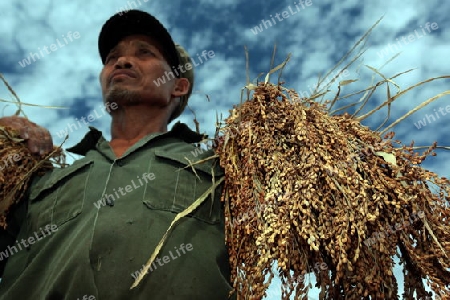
(132, 22)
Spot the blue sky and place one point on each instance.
(317, 36)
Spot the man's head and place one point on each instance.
(141, 62)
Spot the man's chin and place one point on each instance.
(123, 96)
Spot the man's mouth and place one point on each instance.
(122, 74)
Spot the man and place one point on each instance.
(87, 229)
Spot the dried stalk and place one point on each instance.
(18, 165)
(305, 187)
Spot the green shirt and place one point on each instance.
(90, 227)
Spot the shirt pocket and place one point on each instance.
(176, 186)
(60, 197)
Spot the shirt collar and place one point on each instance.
(179, 130)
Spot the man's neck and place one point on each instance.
(131, 124)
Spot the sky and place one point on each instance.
(316, 33)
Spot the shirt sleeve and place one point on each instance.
(8, 236)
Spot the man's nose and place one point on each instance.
(123, 62)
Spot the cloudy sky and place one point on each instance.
(317, 36)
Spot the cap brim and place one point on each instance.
(133, 22)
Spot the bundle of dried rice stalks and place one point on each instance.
(306, 188)
(18, 165)
(303, 187)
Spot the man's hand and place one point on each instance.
(38, 138)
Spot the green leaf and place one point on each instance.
(345, 82)
(388, 157)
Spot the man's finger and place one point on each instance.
(35, 140)
(24, 133)
(38, 139)
(46, 144)
(32, 145)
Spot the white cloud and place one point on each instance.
(317, 37)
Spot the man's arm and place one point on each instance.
(38, 138)
(39, 141)
(8, 236)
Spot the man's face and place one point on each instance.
(132, 74)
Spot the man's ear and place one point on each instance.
(181, 87)
(100, 75)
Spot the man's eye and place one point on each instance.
(110, 58)
(145, 51)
